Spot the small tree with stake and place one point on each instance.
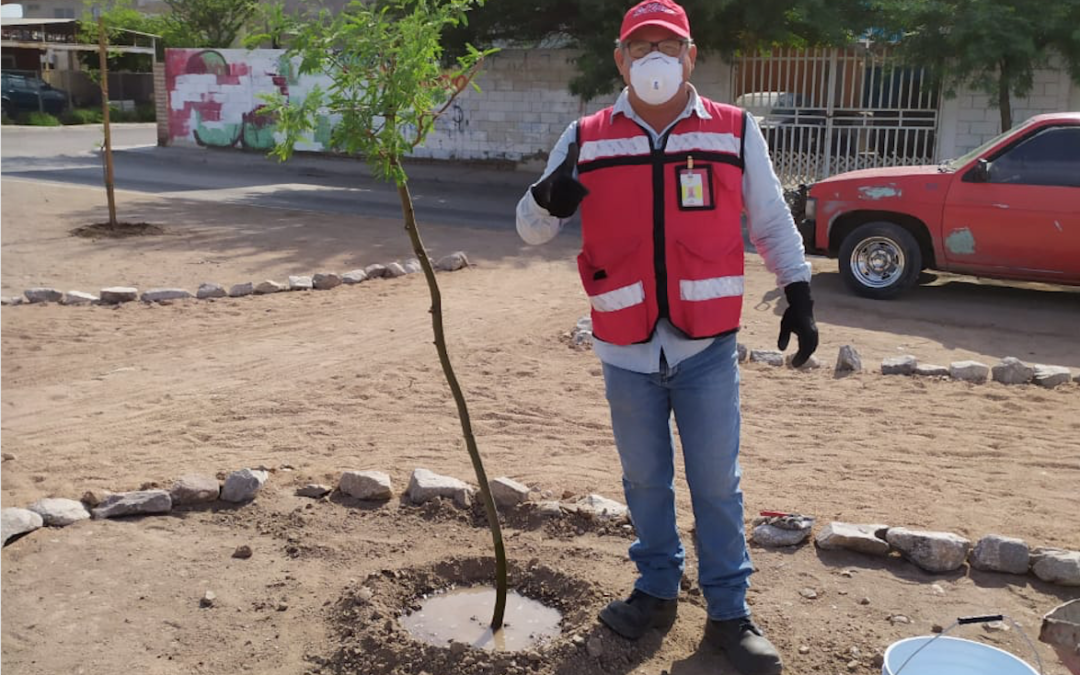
(387, 89)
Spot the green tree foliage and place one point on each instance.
(719, 27)
(387, 87)
(207, 23)
(994, 45)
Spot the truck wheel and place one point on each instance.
(879, 260)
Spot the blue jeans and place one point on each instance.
(703, 391)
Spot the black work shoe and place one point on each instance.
(746, 648)
(630, 618)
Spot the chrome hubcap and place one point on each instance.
(877, 262)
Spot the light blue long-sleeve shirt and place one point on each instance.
(771, 227)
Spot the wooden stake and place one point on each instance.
(103, 56)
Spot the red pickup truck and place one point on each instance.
(1008, 209)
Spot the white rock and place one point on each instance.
(314, 490)
(931, 370)
(996, 553)
(549, 509)
(372, 485)
(243, 485)
(134, 503)
(1051, 376)
(773, 358)
(12, 301)
(413, 266)
(969, 371)
(426, 485)
(932, 551)
(770, 535)
(899, 365)
(582, 335)
(852, 537)
(507, 492)
(375, 271)
(114, 295)
(742, 352)
(354, 277)
(59, 512)
(78, 298)
(1061, 629)
(1012, 370)
(268, 286)
(194, 489)
(1056, 566)
(300, 283)
(210, 290)
(240, 290)
(324, 281)
(602, 508)
(161, 294)
(812, 363)
(41, 294)
(453, 262)
(394, 270)
(848, 360)
(14, 522)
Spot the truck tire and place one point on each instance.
(880, 260)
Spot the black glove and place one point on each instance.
(560, 193)
(799, 319)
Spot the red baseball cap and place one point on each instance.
(663, 13)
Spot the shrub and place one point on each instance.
(146, 112)
(39, 119)
(81, 116)
(4, 119)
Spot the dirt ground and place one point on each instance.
(311, 384)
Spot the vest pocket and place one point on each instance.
(617, 295)
(710, 289)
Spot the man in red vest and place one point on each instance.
(662, 179)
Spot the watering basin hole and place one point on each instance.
(464, 616)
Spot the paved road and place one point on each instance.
(457, 196)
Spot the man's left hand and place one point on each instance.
(799, 319)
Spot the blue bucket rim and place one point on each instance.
(890, 648)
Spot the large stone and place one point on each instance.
(811, 363)
(931, 370)
(59, 512)
(12, 300)
(452, 262)
(372, 485)
(582, 335)
(771, 357)
(932, 551)
(507, 492)
(267, 287)
(969, 371)
(602, 508)
(78, 298)
(114, 295)
(240, 290)
(860, 538)
(394, 270)
(1051, 376)
(194, 488)
(426, 485)
(300, 283)
(135, 503)
(1056, 566)
(995, 553)
(899, 365)
(1012, 370)
(781, 531)
(243, 485)
(741, 352)
(210, 290)
(1061, 630)
(314, 491)
(42, 294)
(375, 271)
(413, 266)
(14, 522)
(354, 277)
(162, 294)
(324, 281)
(848, 360)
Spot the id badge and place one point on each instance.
(695, 187)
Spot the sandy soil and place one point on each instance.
(310, 384)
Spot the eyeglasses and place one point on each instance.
(669, 47)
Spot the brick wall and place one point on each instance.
(161, 104)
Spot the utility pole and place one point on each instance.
(104, 59)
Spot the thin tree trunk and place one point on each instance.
(459, 398)
(103, 58)
(1004, 104)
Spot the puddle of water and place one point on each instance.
(464, 615)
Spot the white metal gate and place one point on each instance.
(826, 111)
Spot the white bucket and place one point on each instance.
(951, 656)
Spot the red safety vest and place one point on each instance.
(661, 229)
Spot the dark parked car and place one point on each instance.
(27, 93)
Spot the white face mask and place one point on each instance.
(656, 77)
